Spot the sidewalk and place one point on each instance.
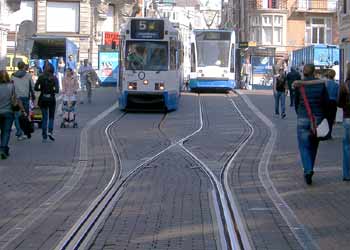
(322, 207)
(35, 170)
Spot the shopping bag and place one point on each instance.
(322, 129)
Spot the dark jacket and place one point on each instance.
(291, 77)
(317, 96)
(344, 98)
(48, 86)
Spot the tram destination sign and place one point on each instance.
(147, 29)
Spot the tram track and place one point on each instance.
(82, 233)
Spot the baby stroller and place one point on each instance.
(69, 111)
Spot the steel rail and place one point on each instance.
(76, 238)
(224, 176)
(234, 231)
(83, 231)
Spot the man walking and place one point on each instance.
(279, 92)
(24, 91)
(292, 76)
(311, 104)
(84, 84)
(71, 64)
(246, 74)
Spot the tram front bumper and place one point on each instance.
(214, 84)
(140, 99)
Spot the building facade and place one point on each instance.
(187, 15)
(312, 22)
(285, 25)
(344, 35)
(6, 9)
(82, 21)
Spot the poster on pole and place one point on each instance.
(108, 67)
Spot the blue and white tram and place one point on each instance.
(212, 60)
(151, 64)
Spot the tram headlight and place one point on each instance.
(159, 86)
(132, 86)
(145, 82)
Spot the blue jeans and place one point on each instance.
(25, 102)
(346, 148)
(307, 144)
(279, 95)
(6, 120)
(48, 113)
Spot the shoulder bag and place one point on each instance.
(14, 100)
(320, 131)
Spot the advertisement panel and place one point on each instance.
(261, 64)
(262, 72)
(108, 67)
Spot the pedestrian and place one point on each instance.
(60, 71)
(279, 92)
(332, 88)
(83, 72)
(7, 95)
(47, 84)
(344, 103)
(91, 80)
(24, 91)
(70, 84)
(292, 76)
(317, 97)
(301, 69)
(246, 73)
(71, 63)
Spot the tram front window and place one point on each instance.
(147, 56)
(213, 53)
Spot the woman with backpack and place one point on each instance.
(344, 103)
(48, 86)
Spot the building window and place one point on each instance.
(267, 29)
(271, 4)
(318, 30)
(108, 24)
(26, 12)
(346, 6)
(62, 17)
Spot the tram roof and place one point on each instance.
(211, 30)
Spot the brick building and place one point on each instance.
(284, 24)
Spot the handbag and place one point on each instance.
(26, 125)
(320, 131)
(14, 101)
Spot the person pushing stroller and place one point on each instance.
(70, 88)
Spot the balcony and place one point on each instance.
(268, 5)
(315, 6)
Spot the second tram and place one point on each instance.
(212, 60)
(151, 59)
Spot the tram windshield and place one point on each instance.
(213, 48)
(213, 53)
(147, 55)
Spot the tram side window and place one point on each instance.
(193, 58)
(172, 55)
(232, 66)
